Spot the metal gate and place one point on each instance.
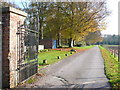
(27, 56)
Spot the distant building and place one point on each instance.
(48, 43)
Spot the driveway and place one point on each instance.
(82, 70)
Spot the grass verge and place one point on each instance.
(111, 68)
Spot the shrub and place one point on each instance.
(73, 50)
(44, 50)
(59, 46)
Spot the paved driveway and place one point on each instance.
(81, 70)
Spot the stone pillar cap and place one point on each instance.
(13, 10)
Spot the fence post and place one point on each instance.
(114, 53)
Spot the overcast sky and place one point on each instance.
(112, 20)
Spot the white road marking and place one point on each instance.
(89, 82)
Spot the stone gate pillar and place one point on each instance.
(10, 19)
(0, 48)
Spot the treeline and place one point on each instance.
(67, 22)
(110, 40)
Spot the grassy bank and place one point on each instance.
(111, 68)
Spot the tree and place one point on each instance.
(82, 18)
(55, 22)
(37, 13)
(93, 37)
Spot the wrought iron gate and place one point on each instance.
(27, 56)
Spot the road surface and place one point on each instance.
(81, 70)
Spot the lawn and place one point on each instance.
(111, 68)
(51, 57)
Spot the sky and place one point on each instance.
(112, 20)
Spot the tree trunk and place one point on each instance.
(73, 42)
(42, 32)
(59, 39)
(70, 42)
